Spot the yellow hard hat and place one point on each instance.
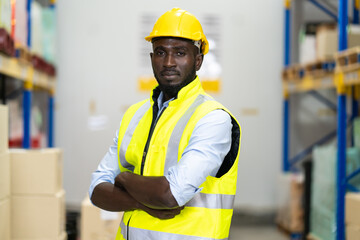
(182, 24)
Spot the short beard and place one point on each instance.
(172, 91)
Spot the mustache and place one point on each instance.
(169, 72)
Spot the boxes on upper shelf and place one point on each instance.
(5, 15)
(5, 219)
(38, 217)
(98, 224)
(36, 171)
(4, 175)
(4, 128)
(327, 40)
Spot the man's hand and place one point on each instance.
(163, 213)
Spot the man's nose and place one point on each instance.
(169, 61)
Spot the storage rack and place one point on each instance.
(340, 80)
(17, 69)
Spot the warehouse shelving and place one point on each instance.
(342, 81)
(15, 68)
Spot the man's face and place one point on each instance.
(174, 62)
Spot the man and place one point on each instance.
(173, 165)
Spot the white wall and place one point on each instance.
(98, 61)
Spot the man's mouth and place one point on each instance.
(169, 73)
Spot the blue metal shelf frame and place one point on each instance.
(341, 130)
(287, 51)
(51, 121)
(324, 9)
(27, 96)
(341, 179)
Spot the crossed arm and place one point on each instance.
(131, 191)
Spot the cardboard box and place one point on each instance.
(97, 224)
(38, 217)
(5, 219)
(352, 208)
(4, 175)
(4, 128)
(36, 171)
(290, 212)
(327, 40)
(352, 232)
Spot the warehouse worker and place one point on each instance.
(173, 165)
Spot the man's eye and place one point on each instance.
(180, 53)
(160, 53)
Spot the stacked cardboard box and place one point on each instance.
(4, 175)
(97, 224)
(38, 198)
(290, 213)
(352, 216)
(327, 40)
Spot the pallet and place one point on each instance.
(319, 68)
(287, 232)
(311, 237)
(348, 60)
(293, 73)
(6, 43)
(316, 69)
(22, 53)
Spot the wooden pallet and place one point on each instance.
(285, 230)
(348, 60)
(22, 53)
(319, 68)
(316, 69)
(311, 237)
(293, 73)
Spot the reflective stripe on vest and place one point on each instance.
(214, 201)
(128, 134)
(142, 234)
(173, 145)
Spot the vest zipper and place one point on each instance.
(127, 229)
(153, 124)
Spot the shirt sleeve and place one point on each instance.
(108, 168)
(207, 148)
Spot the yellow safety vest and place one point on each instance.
(206, 216)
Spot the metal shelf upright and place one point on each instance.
(338, 80)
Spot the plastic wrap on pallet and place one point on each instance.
(324, 189)
(356, 132)
(307, 49)
(36, 29)
(21, 22)
(49, 34)
(322, 216)
(5, 15)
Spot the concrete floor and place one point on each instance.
(253, 232)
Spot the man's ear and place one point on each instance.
(198, 61)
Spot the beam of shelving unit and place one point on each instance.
(23, 71)
(341, 127)
(286, 166)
